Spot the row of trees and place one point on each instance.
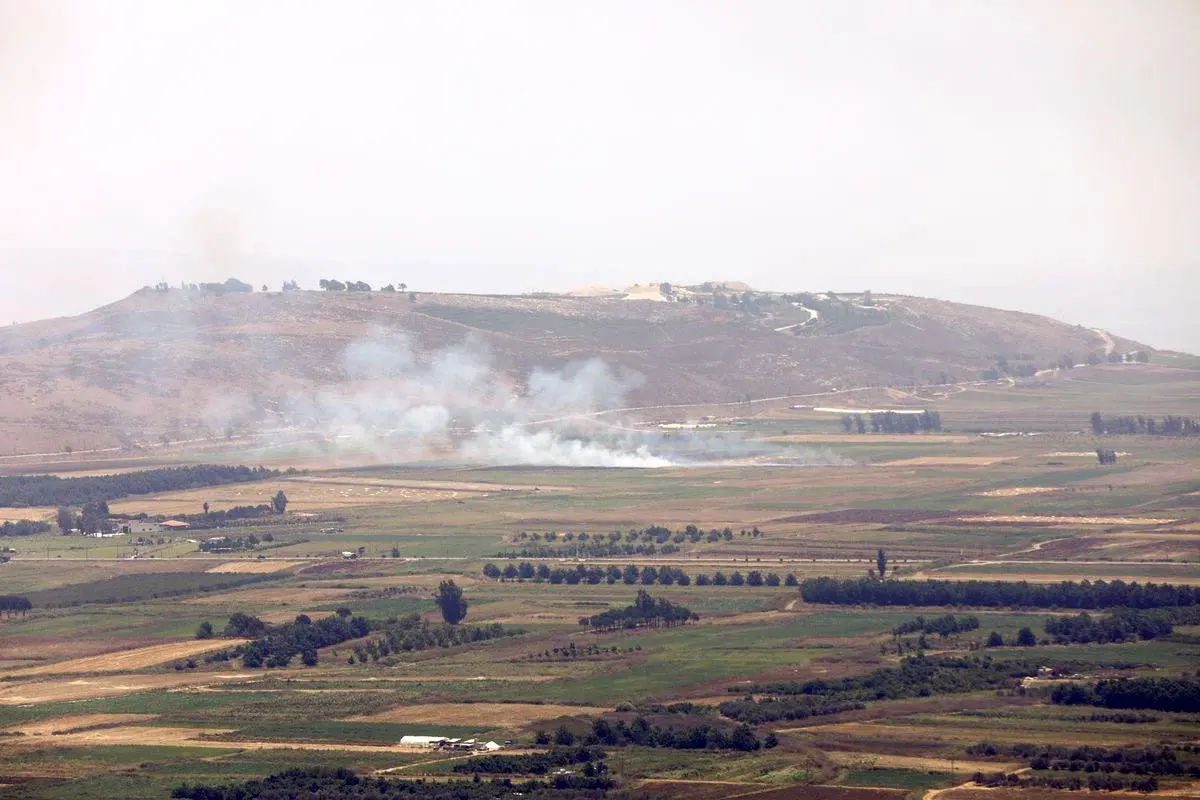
(631, 574)
(334, 285)
(341, 783)
(1160, 694)
(918, 676)
(51, 490)
(945, 625)
(1066, 594)
(411, 633)
(649, 541)
(1142, 424)
(14, 604)
(1158, 760)
(24, 527)
(692, 737)
(536, 763)
(1122, 625)
(891, 422)
(646, 611)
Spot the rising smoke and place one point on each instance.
(456, 405)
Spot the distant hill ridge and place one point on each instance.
(161, 360)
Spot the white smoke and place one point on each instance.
(456, 405)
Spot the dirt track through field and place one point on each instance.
(128, 660)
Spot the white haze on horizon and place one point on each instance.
(1011, 153)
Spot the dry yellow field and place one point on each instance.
(306, 493)
(892, 438)
(77, 722)
(15, 694)
(254, 567)
(8, 514)
(883, 760)
(127, 660)
(484, 714)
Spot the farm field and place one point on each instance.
(106, 691)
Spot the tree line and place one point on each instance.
(24, 527)
(1066, 594)
(630, 574)
(1159, 694)
(276, 646)
(892, 422)
(682, 737)
(945, 625)
(14, 604)
(645, 612)
(52, 490)
(1159, 760)
(591, 759)
(1117, 424)
(653, 540)
(1095, 781)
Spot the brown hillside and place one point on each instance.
(159, 362)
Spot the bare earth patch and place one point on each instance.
(870, 760)
(77, 722)
(947, 461)
(254, 567)
(1017, 491)
(126, 660)
(1036, 519)
(489, 714)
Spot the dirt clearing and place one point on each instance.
(109, 686)
(126, 660)
(488, 714)
(1018, 491)
(78, 722)
(947, 461)
(1036, 519)
(255, 567)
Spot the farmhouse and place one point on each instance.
(140, 526)
(175, 524)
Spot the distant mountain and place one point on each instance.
(192, 364)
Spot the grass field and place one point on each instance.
(93, 706)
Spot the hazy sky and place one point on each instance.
(1035, 155)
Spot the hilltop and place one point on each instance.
(180, 364)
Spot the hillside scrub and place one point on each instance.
(1159, 694)
(1122, 625)
(24, 527)
(646, 611)
(320, 783)
(918, 676)
(1067, 594)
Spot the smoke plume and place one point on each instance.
(456, 405)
